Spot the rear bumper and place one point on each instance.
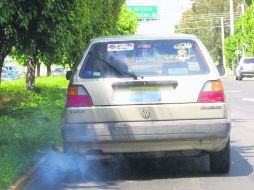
(247, 73)
(148, 136)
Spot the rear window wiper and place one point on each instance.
(117, 69)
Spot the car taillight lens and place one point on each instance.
(77, 96)
(241, 68)
(212, 92)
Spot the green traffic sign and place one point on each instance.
(145, 12)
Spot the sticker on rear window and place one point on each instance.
(120, 47)
(144, 46)
(183, 46)
(87, 73)
(182, 55)
(96, 74)
(178, 71)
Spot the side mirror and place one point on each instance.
(221, 70)
(68, 75)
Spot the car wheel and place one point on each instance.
(220, 161)
(236, 77)
(240, 76)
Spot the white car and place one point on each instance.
(145, 96)
(245, 68)
(58, 71)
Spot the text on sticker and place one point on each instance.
(183, 46)
(121, 47)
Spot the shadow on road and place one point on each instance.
(69, 172)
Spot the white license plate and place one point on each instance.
(145, 94)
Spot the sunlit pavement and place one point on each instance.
(68, 172)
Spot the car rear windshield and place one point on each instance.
(248, 61)
(143, 58)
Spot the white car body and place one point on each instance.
(151, 113)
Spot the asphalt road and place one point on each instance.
(64, 172)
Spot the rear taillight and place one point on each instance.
(77, 96)
(212, 92)
(241, 68)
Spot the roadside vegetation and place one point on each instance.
(243, 37)
(204, 21)
(56, 32)
(29, 123)
(45, 32)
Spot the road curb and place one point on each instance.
(18, 184)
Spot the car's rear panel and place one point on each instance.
(120, 101)
(247, 66)
(147, 109)
(130, 113)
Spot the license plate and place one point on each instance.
(145, 94)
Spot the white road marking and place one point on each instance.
(248, 99)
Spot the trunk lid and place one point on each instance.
(152, 90)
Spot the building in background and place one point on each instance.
(158, 16)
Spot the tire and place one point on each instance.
(220, 161)
(240, 77)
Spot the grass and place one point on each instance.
(29, 123)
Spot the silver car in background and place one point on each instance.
(147, 96)
(245, 68)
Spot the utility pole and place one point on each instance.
(232, 31)
(222, 44)
(242, 12)
(231, 14)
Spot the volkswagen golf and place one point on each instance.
(156, 95)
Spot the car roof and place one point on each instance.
(143, 37)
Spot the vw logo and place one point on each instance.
(146, 113)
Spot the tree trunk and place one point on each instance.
(2, 57)
(38, 69)
(1, 66)
(30, 74)
(48, 69)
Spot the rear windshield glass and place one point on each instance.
(248, 61)
(144, 58)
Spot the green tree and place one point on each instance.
(243, 38)
(56, 32)
(127, 22)
(92, 19)
(203, 20)
(248, 2)
(7, 31)
(27, 25)
(231, 44)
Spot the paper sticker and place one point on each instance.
(144, 46)
(182, 55)
(178, 71)
(87, 73)
(183, 46)
(96, 74)
(121, 47)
